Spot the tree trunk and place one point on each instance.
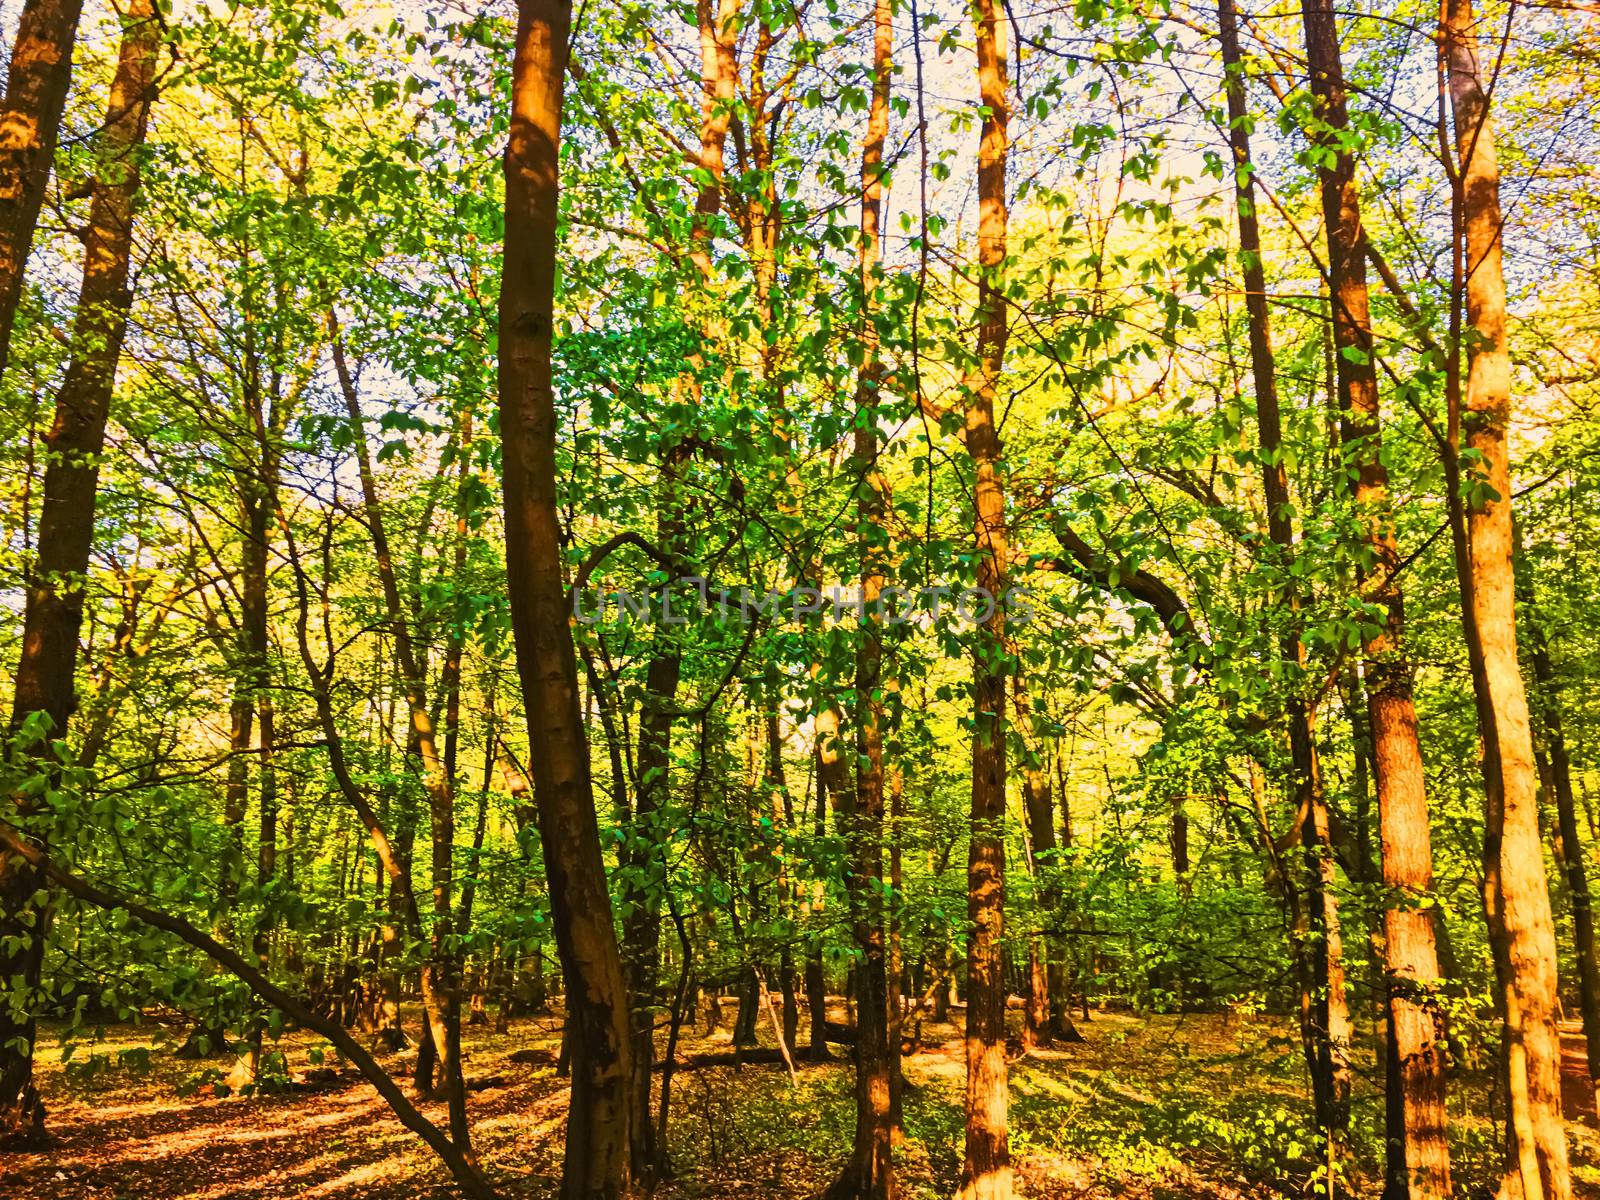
(1418, 1154)
(749, 1011)
(897, 969)
(598, 1140)
(816, 979)
(1572, 848)
(1516, 889)
(869, 1173)
(53, 607)
(986, 1169)
(1048, 1020)
(35, 97)
(257, 482)
(236, 797)
(441, 977)
(816, 1004)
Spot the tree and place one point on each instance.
(36, 94)
(986, 1168)
(599, 1144)
(45, 695)
(869, 1173)
(1516, 890)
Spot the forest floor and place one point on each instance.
(1159, 1108)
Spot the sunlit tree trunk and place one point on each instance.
(1418, 1159)
(30, 118)
(1516, 889)
(986, 1170)
(597, 1165)
(45, 695)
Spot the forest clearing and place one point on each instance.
(834, 599)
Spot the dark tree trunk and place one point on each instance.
(869, 1173)
(35, 97)
(45, 695)
(427, 1063)
(1047, 1018)
(252, 706)
(749, 1010)
(816, 1004)
(1559, 768)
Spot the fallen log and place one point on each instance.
(755, 1056)
(535, 1056)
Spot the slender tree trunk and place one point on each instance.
(440, 978)
(1330, 1023)
(816, 981)
(641, 927)
(236, 794)
(748, 1013)
(1330, 1010)
(45, 694)
(986, 1170)
(1548, 702)
(30, 118)
(398, 915)
(897, 970)
(257, 482)
(456, 638)
(599, 1142)
(1048, 1020)
(869, 1174)
(1516, 888)
(1418, 1158)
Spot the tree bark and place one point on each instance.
(1548, 703)
(986, 1169)
(45, 695)
(642, 927)
(815, 980)
(1329, 1028)
(441, 974)
(1516, 888)
(252, 709)
(869, 1173)
(30, 119)
(598, 1141)
(1418, 1159)
(1048, 1018)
